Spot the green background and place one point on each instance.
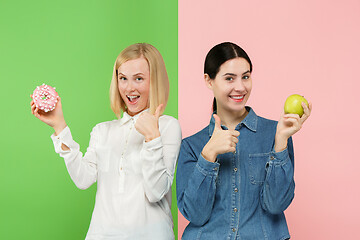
(71, 45)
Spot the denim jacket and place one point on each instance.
(243, 194)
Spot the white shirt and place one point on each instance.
(134, 177)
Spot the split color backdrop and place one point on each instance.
(306, 47)
(310, 47)
(71, 45)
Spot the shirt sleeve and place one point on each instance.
(159, 158)
(196, 185)
(82, 170)
(278, 189)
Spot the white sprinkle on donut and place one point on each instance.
(45, 97)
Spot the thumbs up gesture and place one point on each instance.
(221, 141)
(148, 124)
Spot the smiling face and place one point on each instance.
(134, 85)
(231, 86)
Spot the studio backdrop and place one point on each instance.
(306, 47)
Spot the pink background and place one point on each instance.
(308, 47)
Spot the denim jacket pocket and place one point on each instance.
(103, 158)
(257, 167)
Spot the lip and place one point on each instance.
(237, 98)
(132, 102)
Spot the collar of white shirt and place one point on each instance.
(126, 117)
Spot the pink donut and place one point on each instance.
(45, 97)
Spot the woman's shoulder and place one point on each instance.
(168, 120)
(169, 124)
(196, 142)
(258, 120)
(267, 125)
(267, 120)
(203, 134)
(107, 124)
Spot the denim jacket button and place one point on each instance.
(235, 169)
(272, 158)
(215, 168)
(236, 190)
(233, 229)
(235, 209)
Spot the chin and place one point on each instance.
(237, 109)
(135, 111)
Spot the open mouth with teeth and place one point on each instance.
(237, 98)
(133, 98)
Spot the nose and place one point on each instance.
(130, 86)
(239, 85)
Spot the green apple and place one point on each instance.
(293, 104)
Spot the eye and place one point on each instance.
(122, 78)
(245, 77)
(229, 78)
(139, 78)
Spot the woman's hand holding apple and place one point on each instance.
(288, 125)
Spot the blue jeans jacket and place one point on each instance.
(243, 194)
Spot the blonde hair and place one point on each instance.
(159, 81)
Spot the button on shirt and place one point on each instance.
(134, 177)
(243, 194)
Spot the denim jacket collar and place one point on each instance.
(250, 121)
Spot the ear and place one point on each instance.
(208, 81)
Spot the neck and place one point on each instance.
(231, 119)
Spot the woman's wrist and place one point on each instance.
(59, 127)
(208, 154)
(152, 136)
(280, 143)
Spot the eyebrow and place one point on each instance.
(230, 74)
(248, 71)
(136, 74)
(233, 74)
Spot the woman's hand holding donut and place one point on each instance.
(221, 141)
(54, 118)
(148, 124)
(288, 125)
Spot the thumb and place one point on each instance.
(217, 121)
(158, 110)
(58, 101)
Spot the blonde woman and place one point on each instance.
(133, 158)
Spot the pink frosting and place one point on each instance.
(45, 97)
